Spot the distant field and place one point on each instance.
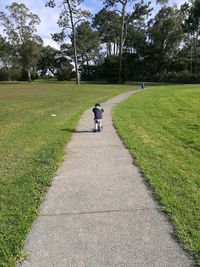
(161, 127)
(31, 148)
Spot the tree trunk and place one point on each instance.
(191, 59)
(53, 72)
(88, 67)
(196, 53)
(121, 43)
(75, 59)
(109, 48)
(29, 75)
(74, 44)
(8, 72)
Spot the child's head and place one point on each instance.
(97, 105)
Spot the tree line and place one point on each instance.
(125, 41)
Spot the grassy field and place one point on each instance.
(161, 127)
(32, 146)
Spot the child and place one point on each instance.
(97, 110)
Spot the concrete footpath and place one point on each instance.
(99, 211)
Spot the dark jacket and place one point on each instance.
(98, 112)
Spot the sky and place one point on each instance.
(49, 16)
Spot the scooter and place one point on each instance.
(97, 126)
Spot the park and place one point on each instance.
(159, 126)
(129, 194)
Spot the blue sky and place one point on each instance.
(49, 16)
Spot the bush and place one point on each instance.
(110, 69)
(89, 73)
(177, 77)
(65, 74)
(10, 74)
(3, 74)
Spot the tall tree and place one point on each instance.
(191, 26)
(19, 27)
(108, 25)
(70, 16)
(87, 46)
(121, 7)
(164, 35)
(136, 39)
(56, 62)
(193, 19)
(48, 60)
(5, 55)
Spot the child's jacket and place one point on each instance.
(98, 112)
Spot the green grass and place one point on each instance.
(31, 148)
(161, 127)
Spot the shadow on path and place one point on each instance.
(76, 131)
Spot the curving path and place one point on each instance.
(99, 212)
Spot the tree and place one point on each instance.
(29, 52)
(193, 19)
(125, 18)
(87, 46)
(5, 55)
(69, 18)
(136, 42)
(108, 25)
(19, 28)
(164, 35)
(191, 26)
(47, 60)
(123, 4)
(55, 61)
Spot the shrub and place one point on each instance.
(177, 77)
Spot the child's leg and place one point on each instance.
(99, 126)
(95, 125)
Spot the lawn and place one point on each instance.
(161, 127)
(32, 146)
